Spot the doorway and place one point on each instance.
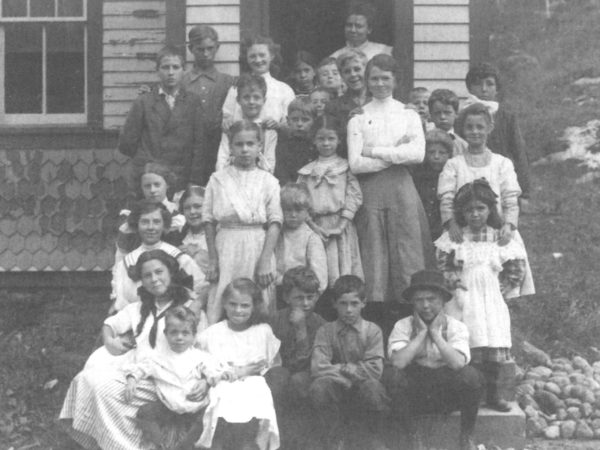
(317, 26)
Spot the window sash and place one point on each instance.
(44, 118)
(56, 17)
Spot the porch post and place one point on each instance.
(404, 45)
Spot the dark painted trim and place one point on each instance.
(175, 23)
(94, 64)
(76, 279)
(57, 138)
(481, 26)
(404, 45)
(254, 17)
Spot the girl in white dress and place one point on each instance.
(95, 411)
(245, 343)
(483, 273)
(242, 217)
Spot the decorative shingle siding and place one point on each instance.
(441, 44)
(59, 209)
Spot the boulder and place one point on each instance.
(535, 426)
(552, 432)
(561, 414)
(573, 413)
(583, 430)
(581, 363)
(534, 355)
(549, 403)
(586, 410)
(567, 429)
(530, 411)
(553, 388)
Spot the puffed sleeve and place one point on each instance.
(120, 280)
(209, 198)
(273, 206)
(411, 152)
(272, 345)
(354, 197)
(447, 187)
(509, 192)
(359, 163)
(123, 321)
(189, 266)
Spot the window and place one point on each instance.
(44, 56)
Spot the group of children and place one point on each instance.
(267, 234)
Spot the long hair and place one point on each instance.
(248, 287)
(478, 190)
(178, 294)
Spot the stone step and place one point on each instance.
(506, 430)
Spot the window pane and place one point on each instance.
(23, 68)
(70, 8)
(14, 8)
(42, 8)
(65, 68)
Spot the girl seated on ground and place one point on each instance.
(95, 412)
(241, 408)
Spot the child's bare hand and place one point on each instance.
(198, 392)
(212, 271)
(355, 112)
(455, 232)
(270, 124)
(350, 370)
(264, 274)
(506, 234)
(144, 88)
(130, 389)
(248, 370)
(227, 122)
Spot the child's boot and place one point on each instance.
(493, 398)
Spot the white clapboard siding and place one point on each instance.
(129, 42)
(441, 44)
(224, 17)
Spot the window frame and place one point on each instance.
(92, 117)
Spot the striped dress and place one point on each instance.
(94, 411)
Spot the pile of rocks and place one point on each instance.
(561, 399)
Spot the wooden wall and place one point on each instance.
(223, 16)
(441, 44)
(134, 30)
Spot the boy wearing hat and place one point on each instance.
(429, 356)
(212, 87)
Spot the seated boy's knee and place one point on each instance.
(373, 396)
(300, 383)
(469, 377)
(394, 379)
(321, 391)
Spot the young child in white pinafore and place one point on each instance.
(193, 239)
(182, 375)
(154, 183)
(242, 217)
(246, 345)
(483, 273)
(336, 196)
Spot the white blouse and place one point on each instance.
(382, 126)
